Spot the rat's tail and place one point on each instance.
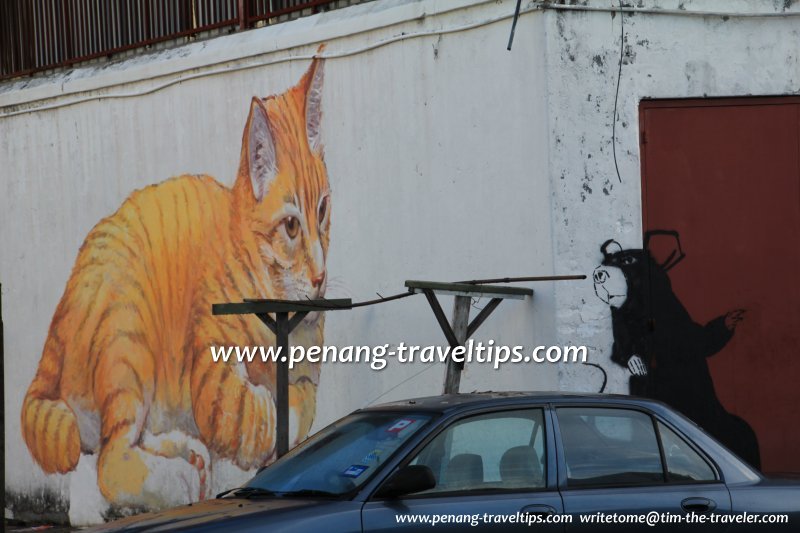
(605, 376)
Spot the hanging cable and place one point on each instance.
(514, 25)
(427, 367)
(383, 299)
(398, 296)
(616, 96)
(523, 279)
(188, 74)
(380, 300)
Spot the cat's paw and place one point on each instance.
(302, 404)
(139, 479)
(190, 478)
(228, 475)
(256, 440)
(178, 446)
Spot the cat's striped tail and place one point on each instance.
(49, 426)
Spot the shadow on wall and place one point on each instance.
(657, 340)
(126, 380)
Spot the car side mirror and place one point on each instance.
(408, 480)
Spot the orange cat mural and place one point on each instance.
(126, 371)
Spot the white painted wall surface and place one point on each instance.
(449, 158)
(676, 55)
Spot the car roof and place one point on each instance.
(455, 402)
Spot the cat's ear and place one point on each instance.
(312, 81)
(262, 164)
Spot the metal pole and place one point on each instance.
(282, 383)
(242, 15)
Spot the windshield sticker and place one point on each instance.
(400, 425)
(373, 457)
(354, 470)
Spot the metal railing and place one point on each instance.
(37, 35)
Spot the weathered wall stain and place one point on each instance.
(43, 505)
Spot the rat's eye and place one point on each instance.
(292, 225)
(629, 260)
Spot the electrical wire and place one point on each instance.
(523, 279)
(616, 96)
(669, 12)
(228, 69)
(383, 299)
(427, 367)
(331, 305)
(471, 282)
(404, 36)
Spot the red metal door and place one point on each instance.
(725, 174)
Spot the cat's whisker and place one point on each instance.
(338, 289)
(338, 292)
(337, 283)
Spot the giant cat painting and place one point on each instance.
(126, 372)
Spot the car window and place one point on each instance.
(683, 463)
(609, 447)
(342, 456)
(494, 451)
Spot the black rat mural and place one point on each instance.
(657, 340)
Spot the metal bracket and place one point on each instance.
(461, 328)
(281, 326)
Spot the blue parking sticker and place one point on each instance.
(354, 470)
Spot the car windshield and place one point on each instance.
(341, 457)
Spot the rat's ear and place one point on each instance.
(664, 247)
(610, 247)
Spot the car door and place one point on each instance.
(492, 472)
(621, 467)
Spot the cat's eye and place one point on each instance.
(323, 211)
(292, 227)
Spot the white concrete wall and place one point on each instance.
(668, 55)
(449, 158)
(436, 147)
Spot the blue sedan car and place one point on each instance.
(500, 461)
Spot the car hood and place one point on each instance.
(206, 513)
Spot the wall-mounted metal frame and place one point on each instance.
(461, 328)
(281, 325)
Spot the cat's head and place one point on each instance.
(281, 195)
